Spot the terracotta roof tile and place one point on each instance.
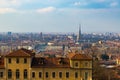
(50, 62)
(20, 53)
(28, 51)
(78, 56)
(70, 55)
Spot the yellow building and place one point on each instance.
(23, 65)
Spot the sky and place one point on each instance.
(59, 15)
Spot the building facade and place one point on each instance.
(23, 65)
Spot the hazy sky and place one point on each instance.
(59, 15)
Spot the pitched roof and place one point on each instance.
(50, 62)
(78, 56)
(31, 53)
(20, 53)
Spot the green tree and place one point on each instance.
(104, 57)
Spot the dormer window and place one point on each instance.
(41, 61)
(61, 61)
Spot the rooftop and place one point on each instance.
(50, 62)
(21, 53)
(78, 56)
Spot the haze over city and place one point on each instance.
(59, 15)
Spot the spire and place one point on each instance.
(79, 34)
(79, 31)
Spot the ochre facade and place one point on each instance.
(23, 65)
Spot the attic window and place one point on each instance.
(61, 61)
(41, 61)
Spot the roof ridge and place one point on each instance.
(80, 56)
(18, 53)
(25, 52)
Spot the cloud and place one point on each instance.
(12, 3)
(7, 10)
(47, 9)
(114, 4)
(80, 3)
(6, 3)
(100, 1)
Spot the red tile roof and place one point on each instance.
(31, 53)
(50, 62)
(20, 53)
(78, 56)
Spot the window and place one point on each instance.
(33, 74)
(67, 74)
(0, 60)
(46, 74)
(25, 60)
(86, 75)
(17, 60)
(53, 74)
(25, 73)
(76, 75)
(76, 64)
(9, 60)
(9, 73)
(1, 74)
(86, 64)
(40, 74)
(17, 74)
(60, 74)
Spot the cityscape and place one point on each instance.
(59, 39)
(62, 56)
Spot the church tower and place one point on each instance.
(79, 34)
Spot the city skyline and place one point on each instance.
(59, 15)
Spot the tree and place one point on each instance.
(104, 57)
(102, 73)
